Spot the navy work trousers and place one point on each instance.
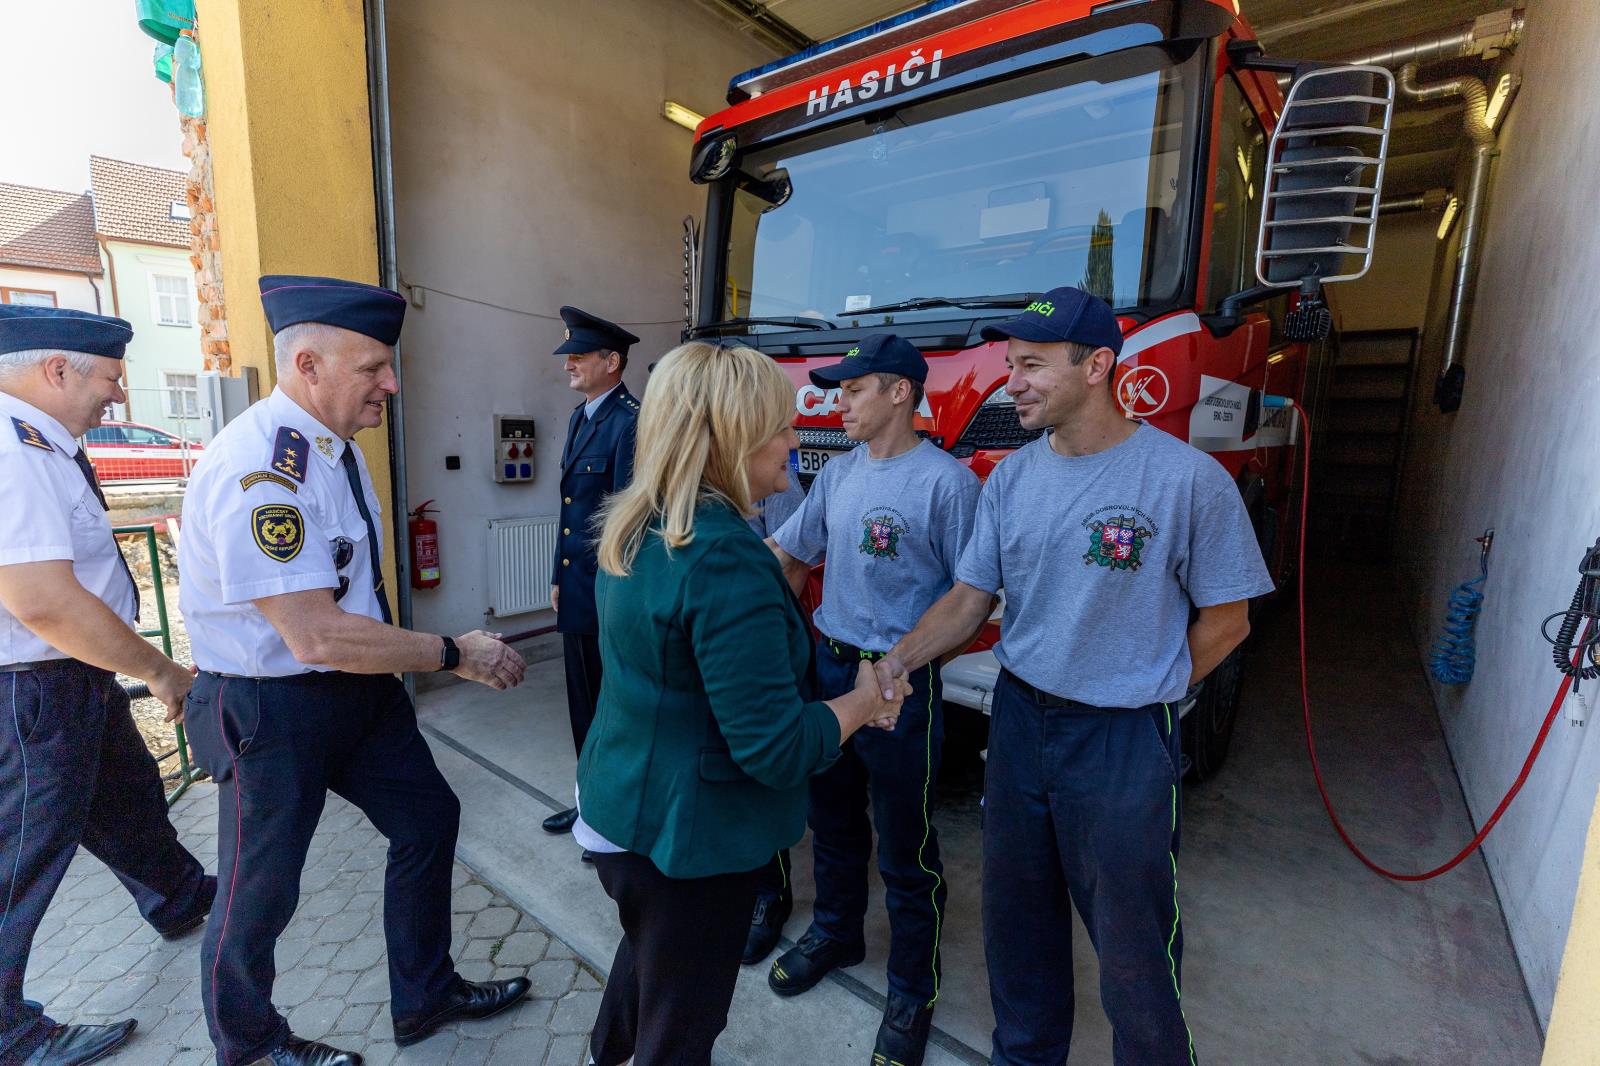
(580, 654)
(895, 771)
(74, 770)
(276, 747)
(1082, 803)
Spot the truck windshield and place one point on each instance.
(1079, 174)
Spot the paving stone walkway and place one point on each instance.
(96, 960)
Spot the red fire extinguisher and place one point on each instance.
(424, 536)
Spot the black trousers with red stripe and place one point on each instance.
(75, 771)
(277, 747)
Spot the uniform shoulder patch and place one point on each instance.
(266, 475)
(289, 453)
(279, 531)
(29, 434)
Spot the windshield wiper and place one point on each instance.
(801, 322)
(920, 303)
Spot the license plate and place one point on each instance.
(810, 461)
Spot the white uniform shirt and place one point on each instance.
(264, 515)
(49, 512)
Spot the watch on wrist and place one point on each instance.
(449, 655)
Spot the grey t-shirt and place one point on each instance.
(891, 530)
(1101, 557)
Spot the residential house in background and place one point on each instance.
(141, 222)
(48, 253)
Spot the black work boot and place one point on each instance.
(766, 926)
(809, 961)
(903, 1036)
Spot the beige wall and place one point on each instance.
(533, 169)
(1394, 294)
(1520, 456)
(72, 290)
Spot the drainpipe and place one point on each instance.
(116, 309)
(1476, 98)
(90, 279)
(389, 269)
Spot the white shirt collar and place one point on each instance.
(53, 431)
(324, 442)
(591, 406)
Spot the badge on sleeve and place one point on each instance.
(28, 434)
(289, 454)
(278, 530)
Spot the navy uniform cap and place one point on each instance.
(591, 333)
(1064, 314)
(881, 353)
(24, 329)
(290, 299)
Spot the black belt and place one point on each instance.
(308, 677)
(850, 651)
(1050, 699)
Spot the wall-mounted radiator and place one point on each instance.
(521, 551)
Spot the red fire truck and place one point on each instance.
(940, 169)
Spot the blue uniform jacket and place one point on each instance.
(596, 461)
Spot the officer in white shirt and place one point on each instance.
(73, 768)
(283, 594)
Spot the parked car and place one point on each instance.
(125, 451)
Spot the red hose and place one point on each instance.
(1311, 744)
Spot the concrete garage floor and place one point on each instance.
(1294, 951)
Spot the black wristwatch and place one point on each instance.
(449, 655)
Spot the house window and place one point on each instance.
(179, 212)
(183, 396)
(28, 297)
(171, 296)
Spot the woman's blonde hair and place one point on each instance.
(705, 410)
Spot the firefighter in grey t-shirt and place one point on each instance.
(1104, 533)
(891, 518)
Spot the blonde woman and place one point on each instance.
(694, 772)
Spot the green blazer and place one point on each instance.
(702, 744)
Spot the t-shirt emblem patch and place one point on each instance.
(1116, 543)
(881, 533)
(278, 530)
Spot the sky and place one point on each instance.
(77, 80)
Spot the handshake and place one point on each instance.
(881, 690)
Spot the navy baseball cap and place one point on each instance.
(1064, 314)
(290, 299)
(591, 333)
(881, 353)
(23, 329)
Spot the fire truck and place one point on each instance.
(941, 169)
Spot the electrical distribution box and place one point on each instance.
(223, 398)
(513, 448)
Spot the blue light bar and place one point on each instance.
(737, 87)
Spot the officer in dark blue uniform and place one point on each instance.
(73, 768)
(596, 460)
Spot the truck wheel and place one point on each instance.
(1208, 728)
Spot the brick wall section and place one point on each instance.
(205, 247)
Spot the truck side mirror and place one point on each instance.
(1324, 178)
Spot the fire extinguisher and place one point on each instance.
(424, 536)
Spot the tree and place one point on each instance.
(1097, 275)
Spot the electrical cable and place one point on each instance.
(1311, 745)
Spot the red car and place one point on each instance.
(126, 451)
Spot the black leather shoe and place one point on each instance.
(186, 925)
(74, 1045)
(562, 822)
(766, 926)
(903, 1036)
(471, 999)
(587, 856)
(297, 1052)
(809, 961)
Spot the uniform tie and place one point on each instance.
(348, 461)
(87, 469)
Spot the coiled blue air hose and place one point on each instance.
(1455, 652)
